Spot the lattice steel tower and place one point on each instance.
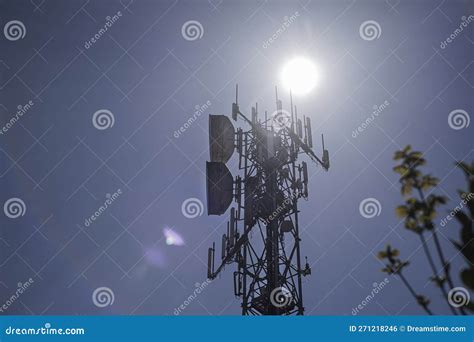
(262, 235)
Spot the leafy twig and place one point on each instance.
(395, 266)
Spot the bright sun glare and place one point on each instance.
(300, 75)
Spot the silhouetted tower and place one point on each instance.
(262, 235)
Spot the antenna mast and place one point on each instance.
(268, 273)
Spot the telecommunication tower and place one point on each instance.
(262, 236)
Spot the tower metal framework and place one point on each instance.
(262, 237)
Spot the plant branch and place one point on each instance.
(439, 249)
(417, 297)
(435, 272)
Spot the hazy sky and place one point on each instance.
(150, 75)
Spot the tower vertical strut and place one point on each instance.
(262, 236)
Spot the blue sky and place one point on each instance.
(144, 72)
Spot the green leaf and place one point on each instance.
(406, 189)
(411, 224)
(401, 169)
(401, 211)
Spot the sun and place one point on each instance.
(300, 75)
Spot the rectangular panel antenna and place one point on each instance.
(299, 128)
(224, 246)
(309, 133)
(232, 227)
(305, 172)
(235, 105)
(210, 261)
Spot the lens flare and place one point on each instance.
(155, 257)
(173, 238)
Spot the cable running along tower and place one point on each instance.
(262, 236)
